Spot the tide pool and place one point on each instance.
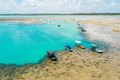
(22, 43)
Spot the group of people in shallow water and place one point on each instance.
(51, 54)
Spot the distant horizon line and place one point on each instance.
(63, 14)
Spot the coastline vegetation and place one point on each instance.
(62, 14)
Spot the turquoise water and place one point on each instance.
(22, 43)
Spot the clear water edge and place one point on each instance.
(23, 44)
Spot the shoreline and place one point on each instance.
(44, 59)
(84, 63)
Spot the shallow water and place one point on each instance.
(22, 43)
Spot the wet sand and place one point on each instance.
(81, 64)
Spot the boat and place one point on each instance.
(99, 51)
(95, 48)
(51, 55)
(82, 29)
(78, 44)
(67, 47)
(58, 25)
